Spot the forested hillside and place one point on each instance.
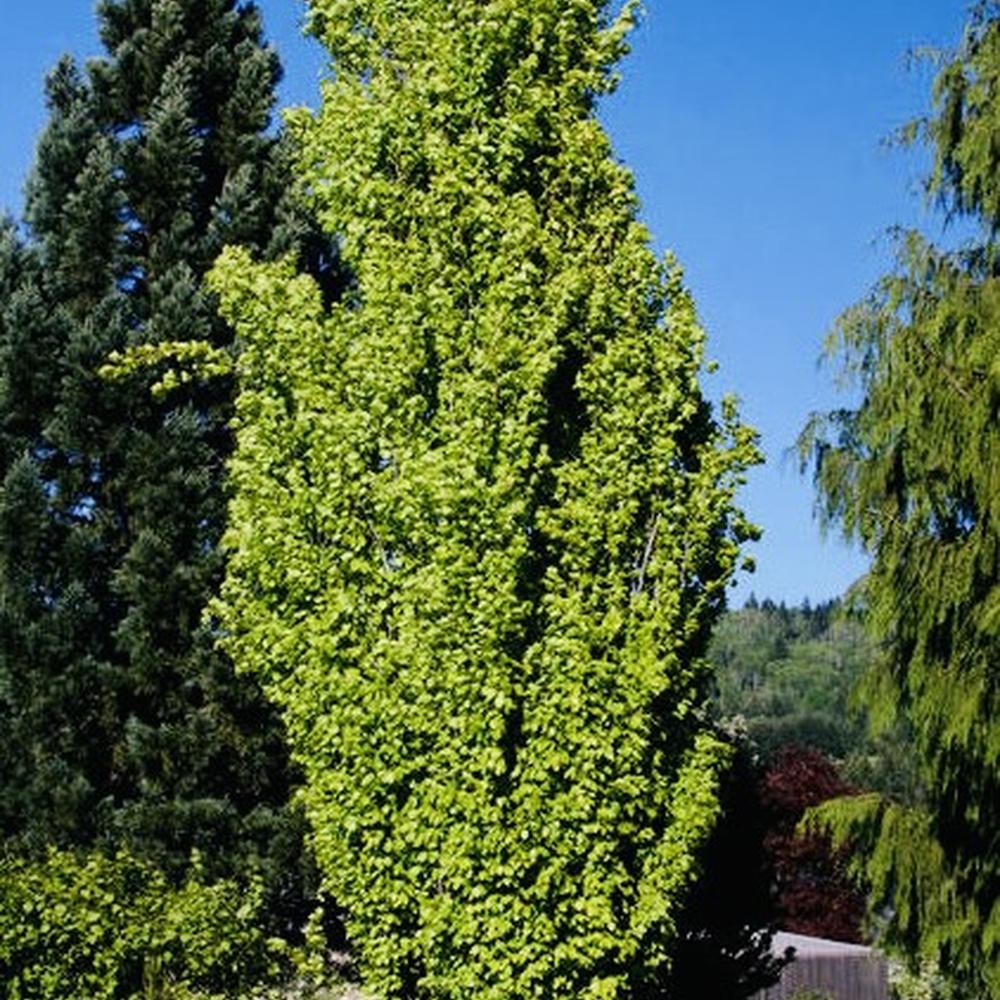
(788, 683)
(788, 674)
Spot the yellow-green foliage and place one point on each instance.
(483, 517)
(183, 361)
(74, 927)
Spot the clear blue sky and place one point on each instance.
(754, 130)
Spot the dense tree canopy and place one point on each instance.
(913, 472)
(483, 516)
(119, 719)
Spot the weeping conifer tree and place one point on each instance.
(913, 473)
(483, 516)
(119, 719)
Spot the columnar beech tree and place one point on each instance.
(483, 516)
(914, 473)
(119, 719)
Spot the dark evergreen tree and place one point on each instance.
(119, 719)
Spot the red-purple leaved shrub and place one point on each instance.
(813, 894)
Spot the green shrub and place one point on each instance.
(922, 981)
(74, 926)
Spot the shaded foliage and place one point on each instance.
(724, 947)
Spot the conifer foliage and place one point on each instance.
(483, 516)
(914, 473)
(119, 720)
